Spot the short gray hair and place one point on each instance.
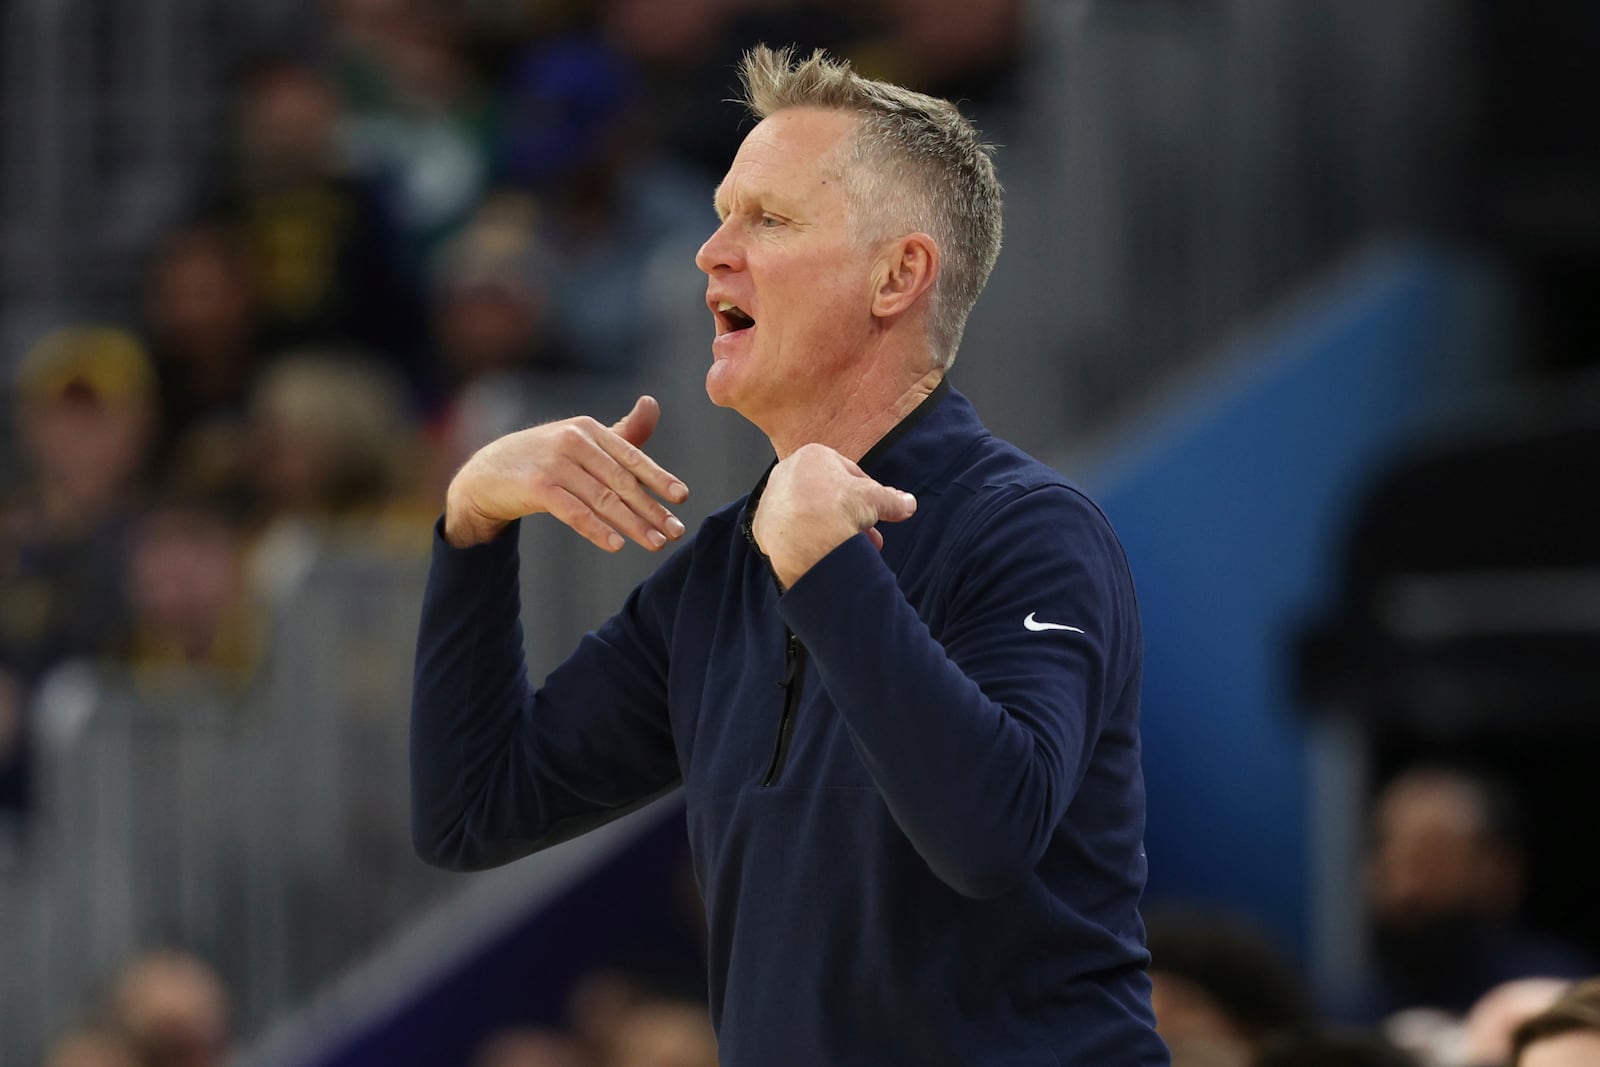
(914, 162)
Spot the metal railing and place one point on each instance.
(1177, 167)
(266, 832)
(109, 111)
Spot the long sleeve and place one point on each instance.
(978, 744)
(499, 769)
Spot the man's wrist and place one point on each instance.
(463, 530)
(784, 567)
(792, 567)
(786, 576)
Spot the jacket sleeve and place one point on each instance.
(499, 769)
(979, 743)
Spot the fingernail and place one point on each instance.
(674, 527)
(615, 541)
(655, 537)
(678, 491)
(911, 500)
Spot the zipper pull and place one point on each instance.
(791, 660)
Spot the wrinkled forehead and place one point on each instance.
(795, 155)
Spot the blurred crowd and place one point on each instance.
(1454, 970)
(413, 217)
(428, 208)
(409, 219)
(612, 1021)
(1456, 977)
(1224, 998)
(170, 1009)
(164, 1009)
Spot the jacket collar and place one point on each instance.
(921, 445)
(914, 451)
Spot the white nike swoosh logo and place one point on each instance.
(1033, 624)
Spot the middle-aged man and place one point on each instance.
(899, 682)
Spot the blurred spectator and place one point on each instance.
(607, 197)
(1198, 1052)
(1488, 1028)
(1567, 1034)
(200, 312)
(1220, 989)
(530, 1048)
(665, 1033)
(675, 35)
(1436, 1038)
(1483, 1037)
(86, 414)
(1444, 884)
(416, 121)
(1332, 1050)
(489, 307)
(333, 452)
(187, 596)
(175, 1009)
(297, 212)
(322, 251)
(329, 436)
(489, 294)
(566, 100)
(597, 1010)
(965, 50)
(92, 1046)
(686, 55)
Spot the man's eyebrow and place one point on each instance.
(716, 201)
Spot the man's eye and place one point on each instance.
(769, 222)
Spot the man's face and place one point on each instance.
(789, 284)
(1429, 854)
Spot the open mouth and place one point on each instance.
(733, 318)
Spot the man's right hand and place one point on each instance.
(591, 477)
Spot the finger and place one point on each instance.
(612, 508)
(603, 468)
(628, 453)
(875, 537)
(578, 515)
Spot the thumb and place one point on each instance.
(637, 425)
(894, 505)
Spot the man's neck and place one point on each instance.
(863, 415)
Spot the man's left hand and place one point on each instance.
(816, 500)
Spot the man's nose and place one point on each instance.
(720, 252)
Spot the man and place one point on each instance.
(899, 682)
(1446, 875)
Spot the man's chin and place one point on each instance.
(720, 384)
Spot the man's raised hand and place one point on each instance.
(594, 478)
(815, 500)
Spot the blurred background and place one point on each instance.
(1305, 292)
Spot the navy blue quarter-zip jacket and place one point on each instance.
(914, 797)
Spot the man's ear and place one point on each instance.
(908, 269)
